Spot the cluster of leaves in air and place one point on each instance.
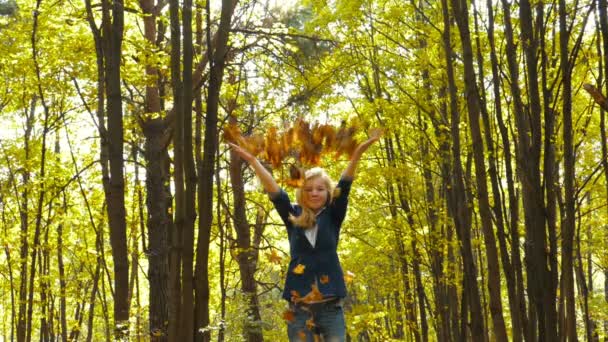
(304, 143)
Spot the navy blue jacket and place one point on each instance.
(322, 266)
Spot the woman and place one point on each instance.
(315, 282)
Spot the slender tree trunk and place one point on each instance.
(603, 18)
(497, 208)
(24, 222)
(187, 329)
(158, 197)
(41, 174)
(108, 42)
(568, 226)
(62, 282)
(472, 97)
(248, 252)
(458, 202)
(205, 177)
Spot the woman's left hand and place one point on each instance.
(374, 135)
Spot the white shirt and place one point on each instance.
(311, 233)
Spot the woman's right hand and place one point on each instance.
(248, 157)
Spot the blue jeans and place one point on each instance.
(328, 319)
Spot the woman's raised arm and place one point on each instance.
(268, 182)
(349, 172)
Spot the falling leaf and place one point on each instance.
(232, 132)
(289, 316)
(313, 296)
(348, 277)
(310, 324)
(299, 269)
(324, 279)
(274, 152)
(345, 141)
(296, 176)
(302, 336)
(254, 143)
(273, 257)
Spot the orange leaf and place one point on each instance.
(313, 296)
(299, 269)
(232, 132)
(254, 143)
(310, 324)
(274, 150)
(324, 279)
(273, 257)
(302, 336)
(289, 316)
(296, 176)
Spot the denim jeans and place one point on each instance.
(328, 319)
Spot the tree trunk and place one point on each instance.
(24, 223)
(108, 43)
(187, 329)
(41, 174)
(516, 314)
(603, 18)
(458, 202)
(248, 252)
(569, 223)
(472, 97)
(205, 177)
(158, 196)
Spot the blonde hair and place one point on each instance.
(307, 218)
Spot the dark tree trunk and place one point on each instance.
(158, 196)
(474, 109)
(458, 202)
(603, 18)
(36, 247)
(188, 330)
(248, 252)
(497, 208)
(176, 235)
(108, 44)
(205, 177)
(24, 223)
(569, 222)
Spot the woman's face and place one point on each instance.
(315, 193)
